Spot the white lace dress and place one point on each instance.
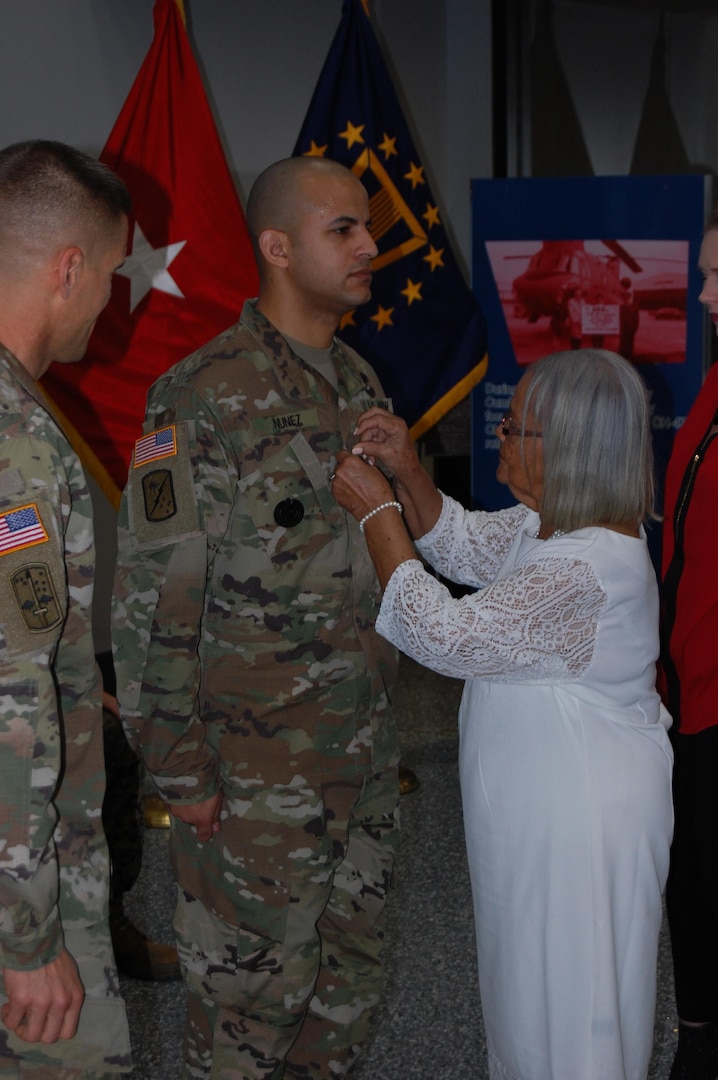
(565, 771)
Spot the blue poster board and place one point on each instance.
(624, 250)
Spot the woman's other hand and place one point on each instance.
(358, 486)
(381, 436)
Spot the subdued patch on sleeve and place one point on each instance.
(161, 497)
(32, 578)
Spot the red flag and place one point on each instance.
(190, 264)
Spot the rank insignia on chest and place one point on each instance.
(288, 513)
(159, 495)
(36, 597)
(158, 444)
(21, 528)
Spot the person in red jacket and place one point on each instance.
(690, 669)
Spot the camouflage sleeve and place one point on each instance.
(33, 606)
(174, 512)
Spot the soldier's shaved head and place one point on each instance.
(282, 193)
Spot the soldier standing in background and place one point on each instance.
(63, 233)
(250, 675)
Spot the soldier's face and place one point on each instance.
(330, 249)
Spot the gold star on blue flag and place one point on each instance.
(422, 330)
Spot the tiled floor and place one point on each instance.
(430, 1025)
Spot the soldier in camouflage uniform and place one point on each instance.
(250, 675)
(63, 231)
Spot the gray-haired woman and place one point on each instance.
(565, 762)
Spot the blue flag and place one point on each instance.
(423, 330)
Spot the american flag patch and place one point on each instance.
(158, 444)
(21, 528)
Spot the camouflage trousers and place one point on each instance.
(289, 992)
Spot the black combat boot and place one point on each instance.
(135, 954)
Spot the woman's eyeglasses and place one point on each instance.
(510, 427)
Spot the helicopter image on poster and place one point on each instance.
(628, 295)
(562, 266)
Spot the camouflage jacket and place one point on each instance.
(245, 600)
(54, 867)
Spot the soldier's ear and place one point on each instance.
(69, 265)
(274, 245)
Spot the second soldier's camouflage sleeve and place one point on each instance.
(174, 510)
(34, 604)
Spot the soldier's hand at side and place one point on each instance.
(203, 815)
(44, 1003)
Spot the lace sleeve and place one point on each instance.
(469, 546)
(537, 624)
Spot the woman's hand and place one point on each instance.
(381, 436)
(359, 487)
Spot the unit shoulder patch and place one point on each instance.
(159, 495)
(36, 597)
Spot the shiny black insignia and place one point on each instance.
(159, 495)
(288, 512)
(36, 597)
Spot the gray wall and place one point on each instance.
(66, 67)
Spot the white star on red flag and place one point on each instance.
(148, 268)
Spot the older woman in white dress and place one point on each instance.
(565, 762)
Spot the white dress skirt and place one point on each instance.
(565, 769)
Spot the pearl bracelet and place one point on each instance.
(383, 506)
